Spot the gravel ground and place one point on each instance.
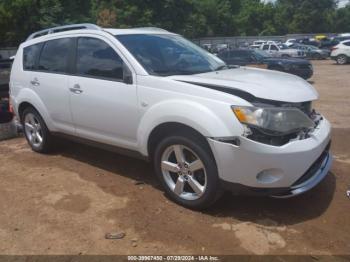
(66, 202)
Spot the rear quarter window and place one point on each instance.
(30, 56)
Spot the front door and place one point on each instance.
(103, 104)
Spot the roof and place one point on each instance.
(141, 30)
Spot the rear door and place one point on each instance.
(50, 81)
(103, 94)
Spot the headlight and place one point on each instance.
(274, 120)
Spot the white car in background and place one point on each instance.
(341, 52)
(290, 42)
(151, 93)
(281, 51)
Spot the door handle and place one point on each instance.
(35, 82)
(76, 89)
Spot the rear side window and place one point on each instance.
(274, 48)
(347, 43)
(266, 47)
(95, 58)
(55, 56)
(30, 56)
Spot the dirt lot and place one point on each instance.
(64, 203)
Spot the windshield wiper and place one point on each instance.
(222, 67)
(175, 72)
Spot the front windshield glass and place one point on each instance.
(166, 55)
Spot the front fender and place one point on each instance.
(29, 96)
(193, 114)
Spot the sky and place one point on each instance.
(342, 3)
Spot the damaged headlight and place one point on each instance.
(274, 120)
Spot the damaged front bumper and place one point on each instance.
(279, 171)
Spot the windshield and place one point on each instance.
(260, 54)
(166, 55)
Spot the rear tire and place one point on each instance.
(36, 132)
(342, 59)
(187, 171)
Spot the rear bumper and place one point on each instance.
(285, 170)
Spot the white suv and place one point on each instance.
(341, 52)
(206, 127)
(281, 50)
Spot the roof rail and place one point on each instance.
(62, 29)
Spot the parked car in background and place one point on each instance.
(312, 52)
(280, 50)
(308, 41)
(341, 52)
(5, 67)
(261, 59)
(206, 128)
(290, 42)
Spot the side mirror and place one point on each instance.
(127, 75)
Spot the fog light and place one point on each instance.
(269, 176)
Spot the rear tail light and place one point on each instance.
(334, 48)
(10, 107)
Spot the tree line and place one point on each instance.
(192, 18)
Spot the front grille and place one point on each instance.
(314, 168)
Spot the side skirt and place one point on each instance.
(110, 148)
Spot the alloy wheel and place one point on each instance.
(341, 60)
(33, 130)
(184, 172)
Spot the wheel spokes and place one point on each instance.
(179, 186)
(179, 154)
(39, 137)
(196, 165)
(29, 126)
(195, 185)
(171, 167)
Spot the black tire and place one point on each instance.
(203, 151)
(342, 59)
(285, 56)
(47, 143)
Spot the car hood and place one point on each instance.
(264, 84)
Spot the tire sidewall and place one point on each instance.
(212, 189)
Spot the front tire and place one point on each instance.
(187, 171)
(36, 132)
(342, 59)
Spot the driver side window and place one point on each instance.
(95, 58)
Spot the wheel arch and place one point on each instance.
(171, 128)
(180, 115)
(28, 98)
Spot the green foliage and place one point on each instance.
(192, 18)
